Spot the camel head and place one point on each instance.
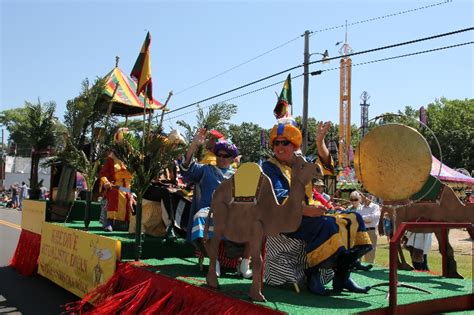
(303, 171)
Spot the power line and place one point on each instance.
(239, 65)
(331, 69)
(298, 37)
(401, 56)
(318, 61)
(382, 17)
(396, 45)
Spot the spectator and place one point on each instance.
(419, 244)
(354, 198)
(44, 192)
(356, 206)
(15, 195)
(22, 195)
(320, 195)
(387, 226)
(371, 214)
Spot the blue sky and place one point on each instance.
(49, 47)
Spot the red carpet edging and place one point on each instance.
(25, 259)
(134, 290)
(451, 304)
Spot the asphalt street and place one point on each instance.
(19, 294)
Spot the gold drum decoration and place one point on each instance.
(393, 162)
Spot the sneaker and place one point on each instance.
(218, 268)
(244, 268)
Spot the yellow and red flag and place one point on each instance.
(141, 71)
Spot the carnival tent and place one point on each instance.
(447, 174)
(125, 101)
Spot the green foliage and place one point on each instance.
(134, 126)
(146, 160)
(82, 114)
(452, 121)
(247, 137)
(37, 131)
(12, 119)
(217, 117)
(39, 127)
(77, 159)
(32, 126)
(312, 127)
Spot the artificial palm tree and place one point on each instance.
(145, 159)
(77, 159)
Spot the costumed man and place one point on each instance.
(331, 241)
(207, 178)
(213, 137)
(115, 182)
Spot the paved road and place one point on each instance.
(19, 294)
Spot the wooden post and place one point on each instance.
(443, 249)
(164, 109)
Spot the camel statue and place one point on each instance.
(247, 218)
(445, 208)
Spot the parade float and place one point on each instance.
(134, 273)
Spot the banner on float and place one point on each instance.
(77, 261)
(33, 215)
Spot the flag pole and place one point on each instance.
(138, 222)
(109, 109)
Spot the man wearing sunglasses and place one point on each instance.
(324, 236)
(207, 177)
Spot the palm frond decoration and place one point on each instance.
(77, 159)
(146, 160)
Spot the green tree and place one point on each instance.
(39, 131)
(312, 123)
(452, 121)
(13, 119)
(248, 138)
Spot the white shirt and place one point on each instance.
(370, 214)
(420, 241)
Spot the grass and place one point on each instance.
(464, 262)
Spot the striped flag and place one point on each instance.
(141, 71)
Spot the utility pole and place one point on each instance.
(305, 91)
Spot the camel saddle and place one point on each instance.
(246, 183)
